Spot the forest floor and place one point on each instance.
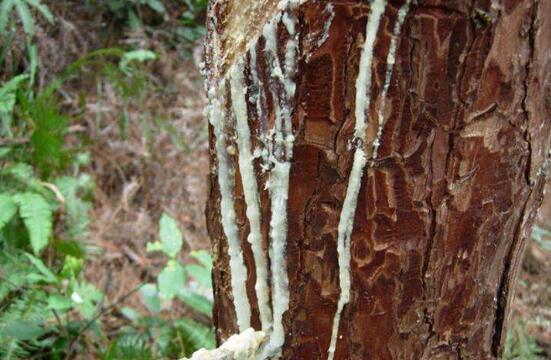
(160, 166)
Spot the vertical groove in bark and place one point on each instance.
(219, 120)
(536, 109)
(250, 189)
(507, 283)
(460, 127)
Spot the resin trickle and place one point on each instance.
(250, 189)
(346, 222)
(226, 178)
(280, 156)
(390, 60)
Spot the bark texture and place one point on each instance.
(445, 206)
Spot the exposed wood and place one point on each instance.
(450, 168)
(237, 23)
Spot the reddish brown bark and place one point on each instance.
(443, 212)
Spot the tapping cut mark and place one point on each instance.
(330, 9)
(216, 112)
(250, 189)
(346, 221)
(390, 61)
(259, 99)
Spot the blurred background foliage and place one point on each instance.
(94, 107)
(103, 154)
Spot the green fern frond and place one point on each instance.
(42, 9)
(7, 91)
(129, 346)
(195, 336)
(36, 213)
(23, 10)
(24, 176)
(8, 208)
(49, 135)
(21, 324)
(77, 209)
(6, 7)
(14, 276)
(20, 172)
(45, 274)
(26, 17)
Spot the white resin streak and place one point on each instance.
(330, 9)
(390, 60)
(217, 116)
(250, 190)
(280, 157)
(279, 154)
(279, 185)
(346, 222)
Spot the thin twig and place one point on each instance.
(97, 316)
(14, 142)
(61, 326)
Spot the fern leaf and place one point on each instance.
(129, 346)
(7, 91)
(78, 210)
(46, 274)
(8, 208)
(42, 9)
(36, 213)
(20, 172)
(195, 335)
(140, 55)
(24, 175)
(26, 17)
(5, 9)
(48, 137)
(27, 310)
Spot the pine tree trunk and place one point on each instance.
(376, 167)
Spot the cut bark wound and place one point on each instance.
(376, 167)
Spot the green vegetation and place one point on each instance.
(175, 21)
(48, 308)
(520, 345)
(542, 237)
(42, 189)
(23, 9)
(151, 337)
